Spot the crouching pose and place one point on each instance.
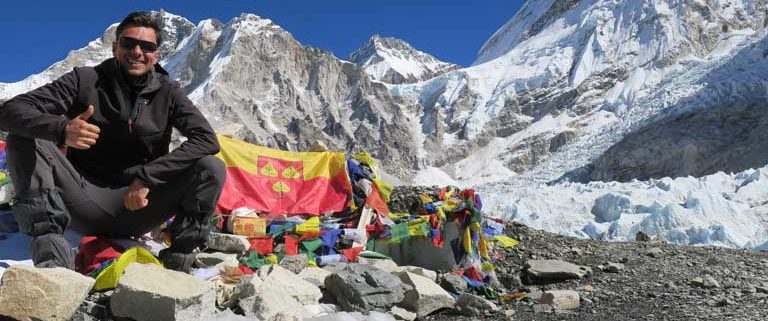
(116, 176)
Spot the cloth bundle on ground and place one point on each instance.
(106, 261)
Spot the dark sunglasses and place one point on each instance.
(130, 43)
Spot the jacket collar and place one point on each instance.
(112, 67)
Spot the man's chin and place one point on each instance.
(137, 72)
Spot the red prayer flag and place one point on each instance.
(262, 245)
(291, 245)
(352, 253)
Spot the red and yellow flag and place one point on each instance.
(282, 182)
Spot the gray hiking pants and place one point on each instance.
(51, 196)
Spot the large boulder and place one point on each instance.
(275, 292)
(426, 296)
(150, 292)
(267, 300)
(29, 293)
(303, 291)
(360, 287)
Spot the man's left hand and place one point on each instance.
(135, 197)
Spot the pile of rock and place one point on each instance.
(374, 289)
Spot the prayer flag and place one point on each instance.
(282, 182)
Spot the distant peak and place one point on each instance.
(393, 60)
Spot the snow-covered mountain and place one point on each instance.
(395, 61)
(252, 79)
(563, 81)
(566, 91)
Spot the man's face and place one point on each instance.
(133, 49)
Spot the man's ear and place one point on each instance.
(114, 48)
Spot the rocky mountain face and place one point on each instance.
(563, 81)
(394, 61)
(253, 79)
(549, 95)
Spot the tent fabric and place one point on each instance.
(109, 277)
(282, 182)
(93, 251)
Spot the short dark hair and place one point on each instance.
(138, 19)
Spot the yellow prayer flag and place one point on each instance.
(310, 225)
(506, 241)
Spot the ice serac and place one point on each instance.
(394, 61)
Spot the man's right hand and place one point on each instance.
(81, 134)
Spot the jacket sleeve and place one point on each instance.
(201, 141)
(40, 113)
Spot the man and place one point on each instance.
(118, 177)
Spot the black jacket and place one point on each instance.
(135, 127)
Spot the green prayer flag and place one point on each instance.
(399, 232)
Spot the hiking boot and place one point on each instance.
(177, 261)
(52, 250)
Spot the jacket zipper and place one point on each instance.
(135, 113)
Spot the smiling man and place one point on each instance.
(117, 176)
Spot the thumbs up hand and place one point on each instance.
(81, 134)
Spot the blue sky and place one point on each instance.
(40, 33)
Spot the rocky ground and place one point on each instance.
(652, 281)
(545, 277)
(628, 281)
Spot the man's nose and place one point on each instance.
(137, 50)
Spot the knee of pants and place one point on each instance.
(211, 169)
(16, 142)
(41, 213)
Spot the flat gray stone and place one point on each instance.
(654, 252)
(554, 270)
(29, 293)
(473, 305)
(228, 243)
(149, 292)
(360, 287)
(561, 299)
